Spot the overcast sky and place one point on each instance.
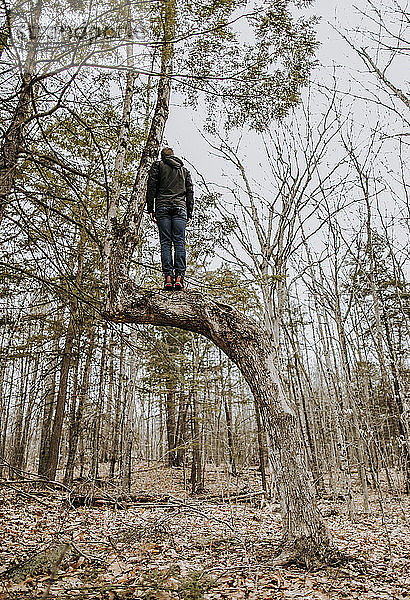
(335, 58)
(342, 15)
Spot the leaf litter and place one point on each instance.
(193, 548)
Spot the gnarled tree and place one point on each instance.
(305, 537)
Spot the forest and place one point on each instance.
(246, 437)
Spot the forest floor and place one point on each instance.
(166, 544)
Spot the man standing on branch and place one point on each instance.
(170, 188)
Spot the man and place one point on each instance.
(170, 187)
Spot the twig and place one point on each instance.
(35, 478)
(33, 497)
(87, 556)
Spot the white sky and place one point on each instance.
(182, 128)
(334, 56)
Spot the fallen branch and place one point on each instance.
(118, 501)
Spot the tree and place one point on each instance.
(305, 537)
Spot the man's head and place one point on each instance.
(166, 152)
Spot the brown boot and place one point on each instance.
(168, 283)
(179, 282)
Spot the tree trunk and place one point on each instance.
(180, 433)
(170, 411)
(197, 480)
(29, 414)
(118, 412)
(305, 537)
(49, 377)
(53, 449)
(262, 450)
(99, 409)
(16, 446)
(228, 416)
(75, 425)
(13, 137)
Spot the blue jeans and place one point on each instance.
(171, 221)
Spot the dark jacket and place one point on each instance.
(170, 184)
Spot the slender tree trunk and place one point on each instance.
(118, 411)
(227, 402)
(197, 483)
(76, 422)
(53, 449)
(51, 454)
(29, 413)
(128, 417)
(96, 432)
(49, 376)
(3, 405)
(16, 447)
(180, 434)
(6, 416)
(13, 138)
(170, 411)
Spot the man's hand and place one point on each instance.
(152, 217)
(188, 222)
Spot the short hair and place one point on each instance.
(166, 152)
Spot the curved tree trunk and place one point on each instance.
(305, 537)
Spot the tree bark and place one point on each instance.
(99, 408)
(180, 433)
(53, 449)
(29, 414)
(262, 450)
(171, 423)
(49, 377)
(118, 413)
(228, 416)
(197, 480)
(49, 459)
